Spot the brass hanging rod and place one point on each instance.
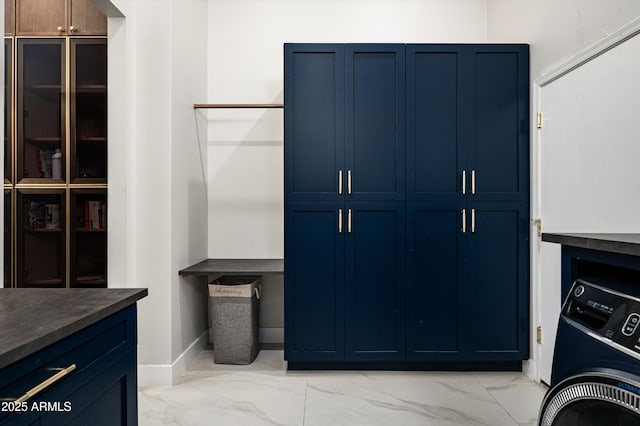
(213, 106)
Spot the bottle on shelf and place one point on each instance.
(56, 165)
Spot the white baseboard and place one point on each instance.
(168, 374)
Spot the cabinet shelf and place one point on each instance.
(90, 231)
(44, 87)
(43, 230)
(90, 280)
(91, 139)
(91, 88)
(47, 282)
(43, 139)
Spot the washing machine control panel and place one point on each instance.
(631, 324)
(608, 313)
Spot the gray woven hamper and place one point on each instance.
(234, 309)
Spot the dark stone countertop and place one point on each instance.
(235, 267)
(628, 244)
(33, 318)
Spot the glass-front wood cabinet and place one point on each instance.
(41, 238)
(8, 109)
(8, 238)
(88, 111)
(56, 144)
(41, 129)
(89, 238)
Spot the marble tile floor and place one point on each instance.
(265, 393)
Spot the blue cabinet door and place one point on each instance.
(375, 121)
(499, 122)
(314, 121)
(314, 282)
(436, 100)
(375, 281)
(436, 290)
(498, 274)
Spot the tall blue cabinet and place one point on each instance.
(406, 205)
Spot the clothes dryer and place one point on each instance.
(595, 379)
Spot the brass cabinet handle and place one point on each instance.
(62, 372)
(339, 182)
(473, 181)
(464, 182)
(349, 223)
(349, 182)
(464, 221)
(73, 29)
(339, 221)
(473, 220)
(60, 29)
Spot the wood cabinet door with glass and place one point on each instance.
(88, 136)
(88, 238)
(41, 119)
(8, 238)
(41, 238)
(58, 18)
(55, 155)
(8, 110)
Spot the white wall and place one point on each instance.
(157, 196)
(556, 30)
(188, 171)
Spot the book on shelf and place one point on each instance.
(91, 215)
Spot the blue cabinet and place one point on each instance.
(344, 281)
(374, 299)
(100, 385)
(499, 123)
(374, 112)
(436, 139)
(468, 198)
(468, 122)
(406, 197)
(344, 122)
(314, 121)
(344, 187)
(436, 293)
(314, 265)
(498, 281)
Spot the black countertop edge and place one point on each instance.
(628, 244)
(235, 267)
(43, 319)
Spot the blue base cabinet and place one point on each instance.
(498, 276)
(436, 282)
(100, 390)
(374, 284)
(407, 205)
(314, 259)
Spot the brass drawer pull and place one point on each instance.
(62, 372)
